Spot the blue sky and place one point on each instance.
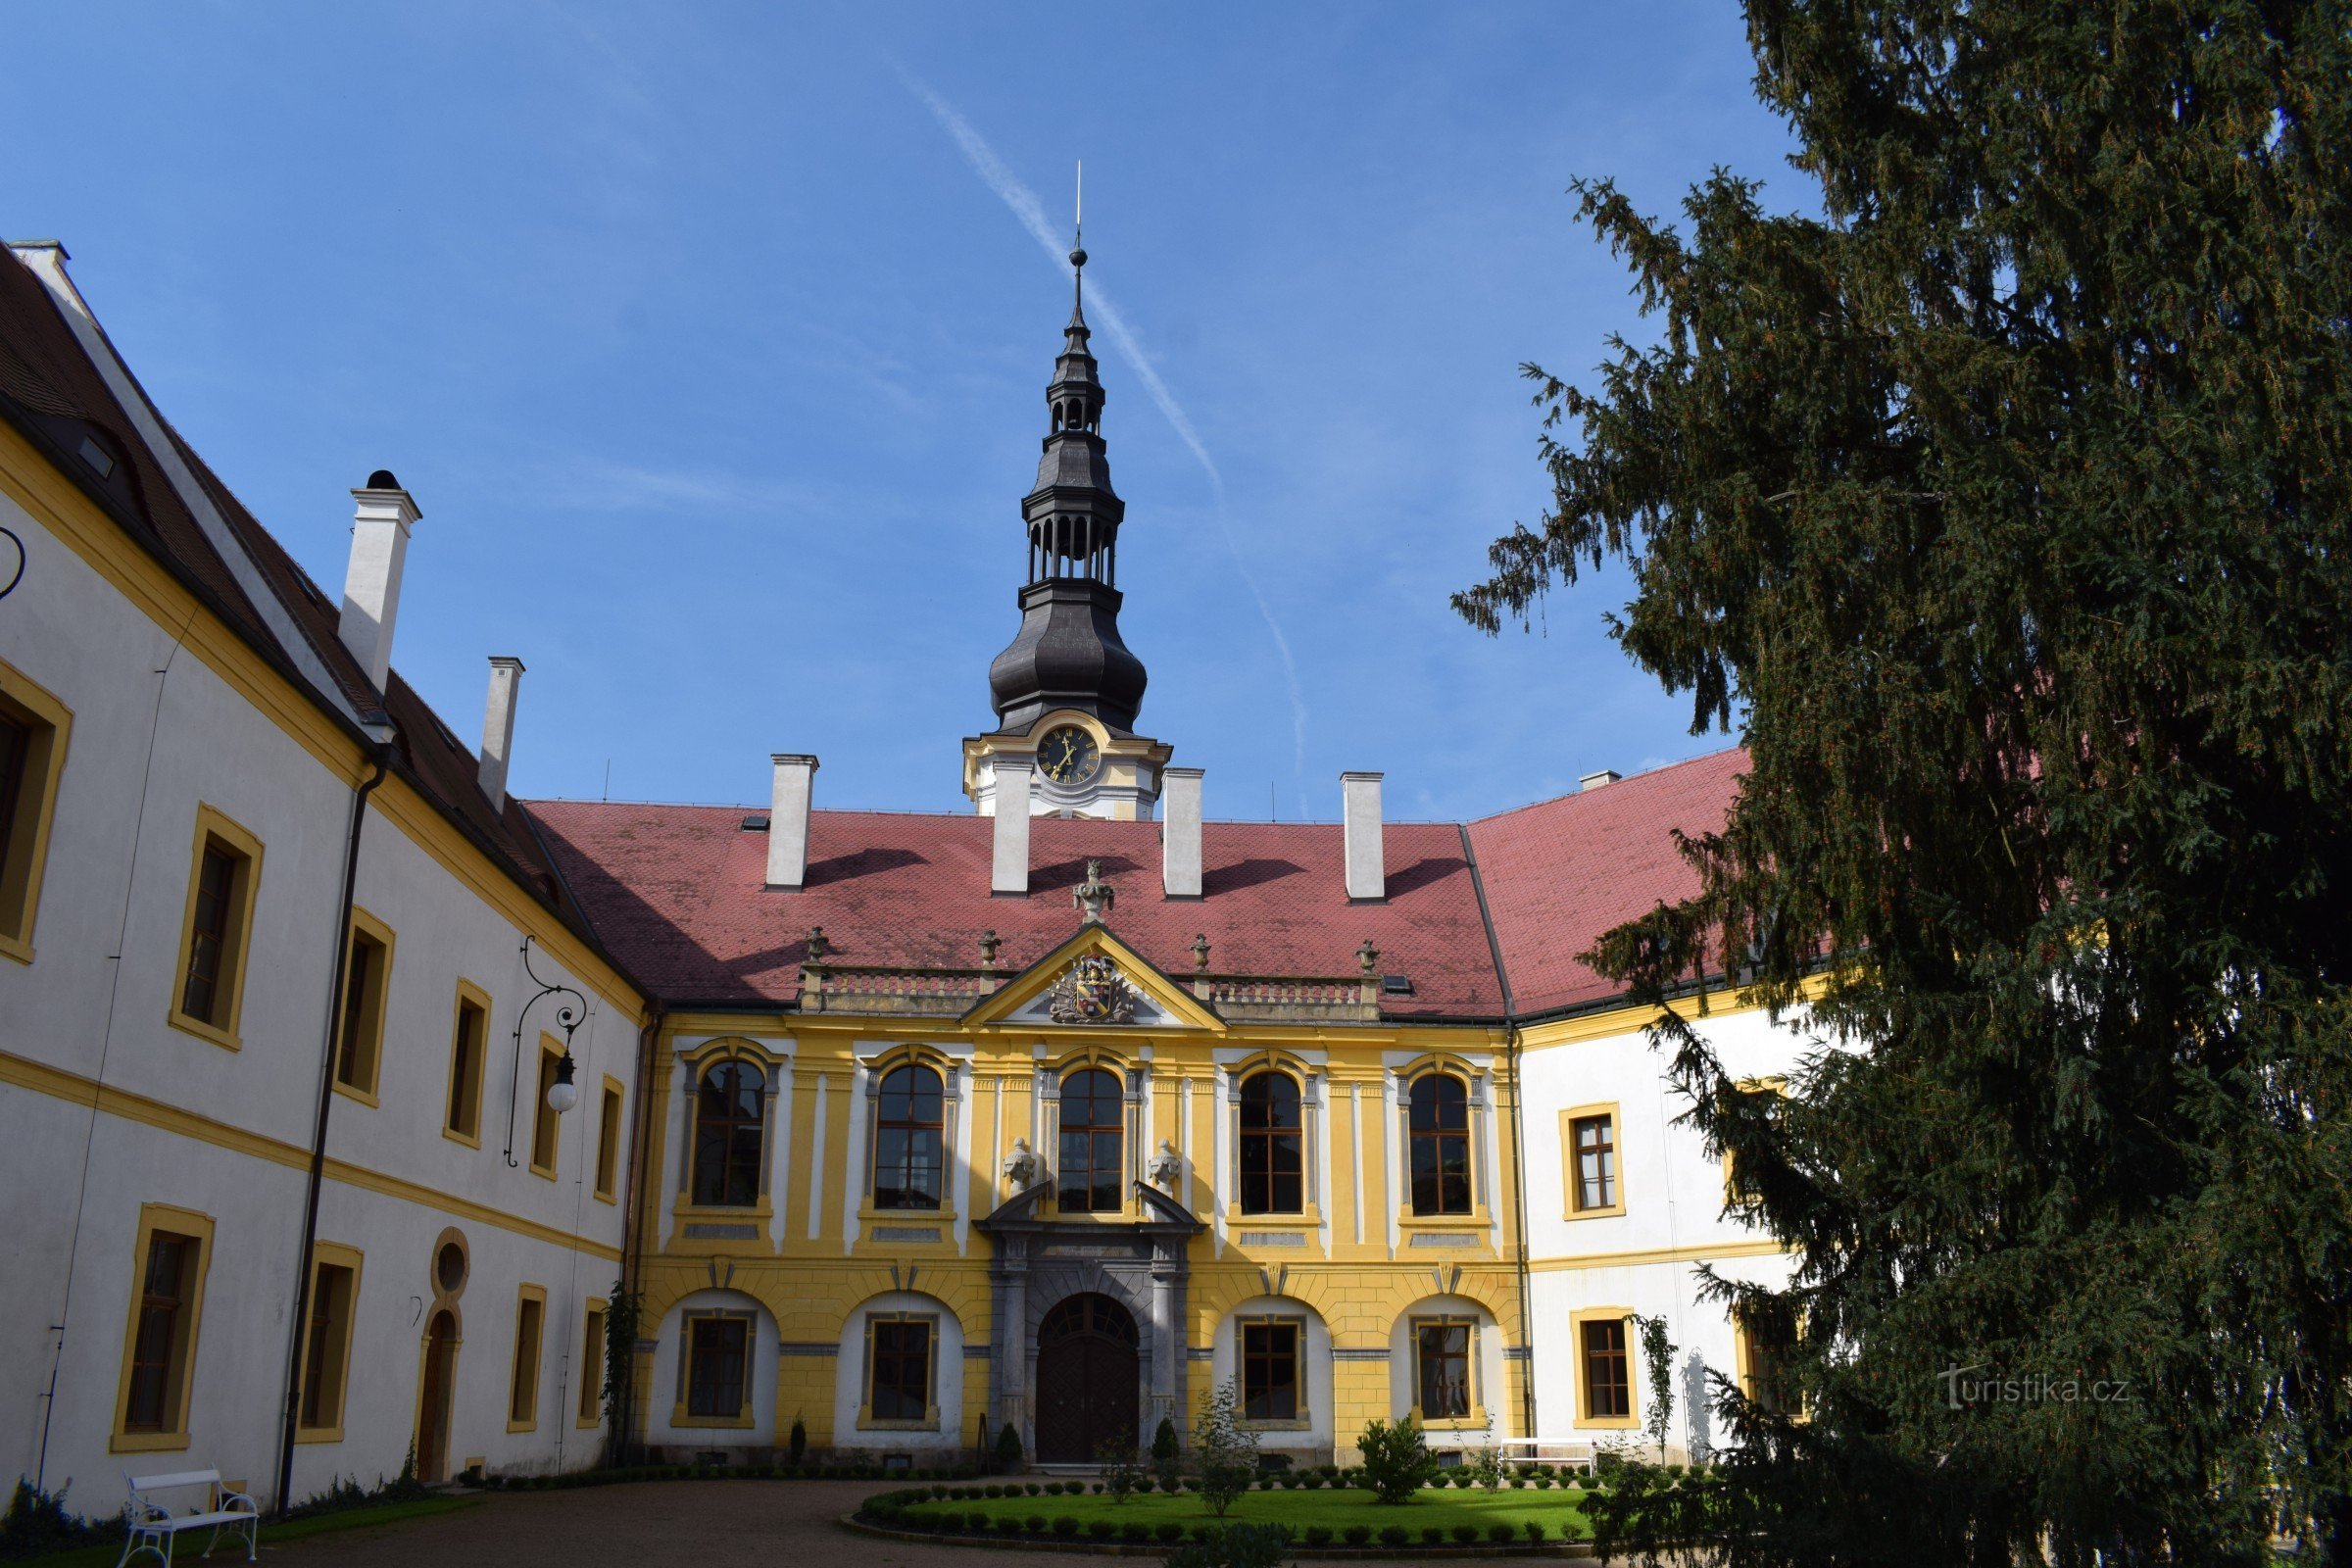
(718, 369)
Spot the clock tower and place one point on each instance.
(1068, 691)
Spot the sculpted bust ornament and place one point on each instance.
(1024, 1168)
(1166, 1167)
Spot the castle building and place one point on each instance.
(892, 1130)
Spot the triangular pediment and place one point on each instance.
(1093, 981)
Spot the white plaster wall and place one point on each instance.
(668, 1391)
(946, 1373)
(1314, 1370)
(156, 732)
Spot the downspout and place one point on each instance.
(1510, 1045)
(327, 1100)
(623, 1436)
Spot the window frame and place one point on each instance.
(349, 1260)
(1474, 1412)
(373, 999)
(523, 1374)
(695, 1125)
(25, 838)
(1572, 1161)
(744, 1319)
(547, 1124)
(588, 1411)
(1622, 1318)
(1093, 1131)
(1244, 1137)
(1301, 1415)
(610, 1127)
(196, 1227)
(878, 1125)
(928, 1421)
(1468, 1134)
(466, 1088)
(216, 827)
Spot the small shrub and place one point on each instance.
(1008, 1525)
(1030, 1488)
(1135, 1529)
(1675, 1470)
(1053, 1489)
(1234, 1547)
(1101, 1529)
(1148, 1483)
(1167, 1456)
(1008, 1449)
(976, 1521)
(1432, 1535)
(1313, 1481)
(797, 1446)
(1465, 1534)
(1035, 1524)
(1393, 1535)
(1318, 1535)
(1397, 1459)
(1169, 1531)
(1066, 1524)
(1501, 1533)
(991, 1490)
(1533, 1529)
(1200, 1531)
(1357, 1534)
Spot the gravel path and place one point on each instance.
(706, 1523)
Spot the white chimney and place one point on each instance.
(1180, 832)
(1367, 874)
(1009, 868)
(787, 820)
(380, 547)
(498, 728)
(1594, 781)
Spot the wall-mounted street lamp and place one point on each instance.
(16, 574)
(562, 1094)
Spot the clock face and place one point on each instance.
(1068, 755)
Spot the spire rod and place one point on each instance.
(1078, 251)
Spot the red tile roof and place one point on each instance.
(1561, 872)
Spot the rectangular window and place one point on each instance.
(1442, 1368)
(327, 1344)
(523, 1387)
(899, 1369)
(208, 988)
(608, 1142)
(32, 752)
(468, 1048)
(1608, 1391)
(1595, 1162)
(359, 1025)
(592, 1366)
(1270, 1371)
(546, 1124)
(1763, 1353)
(719, 1365)
(159, 1353)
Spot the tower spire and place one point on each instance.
(1068, 652)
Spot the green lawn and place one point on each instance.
(322, 1524)
(1337, 1508)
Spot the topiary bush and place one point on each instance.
(1101, 1529)
(1318, 1535)
(1463, 1535)
(1356, 1534)
(1136, 1531)
(976, 1521)
(1502, 1535)
(1169, 1531)
(1397, 1459)
(1006, 1525)
(1393, 1535)
(1066, 1524)
(1432, 1535)
(1035, 1524)
(1533, 1529)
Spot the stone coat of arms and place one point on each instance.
(1093, 991)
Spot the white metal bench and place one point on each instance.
(154, 1526)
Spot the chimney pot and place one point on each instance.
(1368, 872)
(498, 728)
(788, 819)
(380, 548)
(1008, 863)
(1180, 832)
(1594, 781)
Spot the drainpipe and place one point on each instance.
(1510, 1047)
(623, 1436)
(327, 1100)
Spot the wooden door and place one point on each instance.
(1087, 1375)
(433, 1414)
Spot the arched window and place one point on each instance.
(1438, 1124)
(907, 1150)
(729, 1116)
(1272, 1145)
(1093, 1120)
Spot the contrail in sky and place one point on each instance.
(1023, 202)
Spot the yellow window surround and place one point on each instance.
(215, 831)
(609, 1134)
(359, 1014)
(1303, 1420)
(462, 1119)
(743, 1417)
(25, 838)
(546, 1127)
(1572, 1165)
(522, 1385)
(1584, 1419)
(181, 1364)
(1475, 1418)
(591, 1411)
(868, 1421)
(333, 1364)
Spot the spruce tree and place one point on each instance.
(1996, 494)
